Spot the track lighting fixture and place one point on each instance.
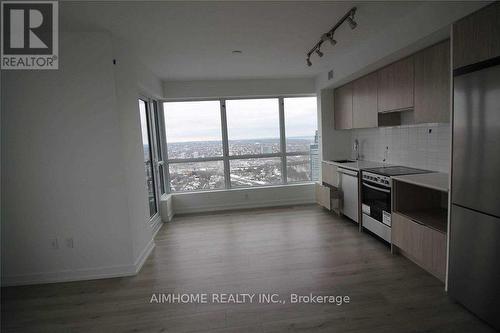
(328, 36)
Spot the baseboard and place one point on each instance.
(144, 255)
(80, 274)
(156, 227)
(170, 215)
(69, 275)
(232, 206)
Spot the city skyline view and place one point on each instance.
(194, 131)
(244, 172)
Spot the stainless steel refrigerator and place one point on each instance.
(474, 257)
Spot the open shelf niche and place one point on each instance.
(423, 205)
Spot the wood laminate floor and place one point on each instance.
(300, 250)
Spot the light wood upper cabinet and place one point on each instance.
(364, 101)
(395, 86)
(342, 106)
(476, 37)
(432, 84)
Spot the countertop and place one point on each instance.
(435, 180)
(358, 165)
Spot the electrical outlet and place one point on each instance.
(69, 242)
(54, 244)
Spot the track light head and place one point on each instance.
(351, 22)
(319, 53)
(328, 37)
(309, 63)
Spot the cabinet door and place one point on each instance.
(343, 107)
(329, 174)
(395, 86)
(364, 101)
(432, 84)
(323, 196)
(476, 37)
(434, 252)
(408, 236)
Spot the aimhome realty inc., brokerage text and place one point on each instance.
(242, 298)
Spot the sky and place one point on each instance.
(144, 126)
(246, 119)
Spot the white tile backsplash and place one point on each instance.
(424, 146)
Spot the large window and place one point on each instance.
(193, 129)
(253, 126)
(302, 147)
(194, 142)
(233, 143)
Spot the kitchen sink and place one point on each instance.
(344, 161)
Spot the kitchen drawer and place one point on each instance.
(423, 245)
(408, 236)
(323, 196)
(434, 247)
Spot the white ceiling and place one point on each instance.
(194, 40)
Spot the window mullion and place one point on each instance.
(282, 140)
(225, 144)
(163, 133)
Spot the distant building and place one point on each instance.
(314, 158)
(266, 149)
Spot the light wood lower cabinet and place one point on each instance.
(434, 252)
(423, 245)
(323, 196)
(329, 174)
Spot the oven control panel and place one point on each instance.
(378, 179)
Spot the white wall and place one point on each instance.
(71, 155)
(133, 79)
(237, 88)
(243, 198)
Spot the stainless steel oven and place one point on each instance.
(376, 204)
(376, 197)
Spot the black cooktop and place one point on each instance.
(396, 171)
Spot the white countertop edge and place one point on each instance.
(434, 180)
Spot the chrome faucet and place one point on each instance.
(356, 149)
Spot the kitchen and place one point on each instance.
(419, 172)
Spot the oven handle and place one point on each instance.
(376, 188)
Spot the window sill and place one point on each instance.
(236, 189)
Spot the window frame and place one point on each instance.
(152, 151)
(226, 157)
